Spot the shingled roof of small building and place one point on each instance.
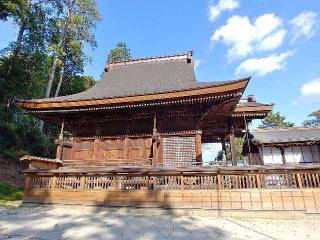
(286, 135)
(140, 77)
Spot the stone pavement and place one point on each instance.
(87, 222)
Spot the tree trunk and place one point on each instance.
(60, 81)
(41, 124)
(22, 28)
(19, 37)
(49, 85)
(55, 61)
(51, 77)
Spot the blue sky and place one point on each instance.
(276, 42)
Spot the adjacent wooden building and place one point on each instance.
(294, 145)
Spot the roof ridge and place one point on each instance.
(186, 55)
(285, 128)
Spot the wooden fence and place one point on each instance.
(173, 181)
(265, 191)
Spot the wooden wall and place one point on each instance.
(172, 151)
(108, 152)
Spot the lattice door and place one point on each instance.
(179, 151)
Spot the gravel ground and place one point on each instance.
(85, 222)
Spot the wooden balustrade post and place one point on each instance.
(258, 180)
(83, 182)
(219, 182)
(299, 180)
(54, 182)
(114, 182)
(181, 183)
(148, 183)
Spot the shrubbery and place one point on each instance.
(19, 135)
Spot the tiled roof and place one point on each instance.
(286, 135)
(142, 77)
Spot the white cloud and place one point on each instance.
(222, 5)
(304, 25)
(273, 40)
(310, 93)
(244, 38)
(311, 88)
(263, 66)
(197, 62)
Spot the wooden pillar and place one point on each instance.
(224, 152)
(95, 148)
(283, 157)
(198, 147)
(233, 148)
(317, 150)
(59, 151)
(154, 141)
(60, 142)
(61, 130)
(126, 149)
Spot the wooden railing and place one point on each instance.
(155, 179)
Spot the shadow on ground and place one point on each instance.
(88, 222)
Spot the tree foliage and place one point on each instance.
(314, 121)
(119, 53)
(26, 63)
(238, 142)
(11, 8)
(274, 120)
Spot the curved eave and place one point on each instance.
(254, 109)
(234, 86)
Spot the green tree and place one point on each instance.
(75, 28)
(239, 146)
(274, 120)
(119, 53)
(219, 156)
(76, 84)
(11, 8)
(26, 62)
(314, 121)
(238, 142)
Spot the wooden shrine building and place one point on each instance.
(147, 112)
(137, 135)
